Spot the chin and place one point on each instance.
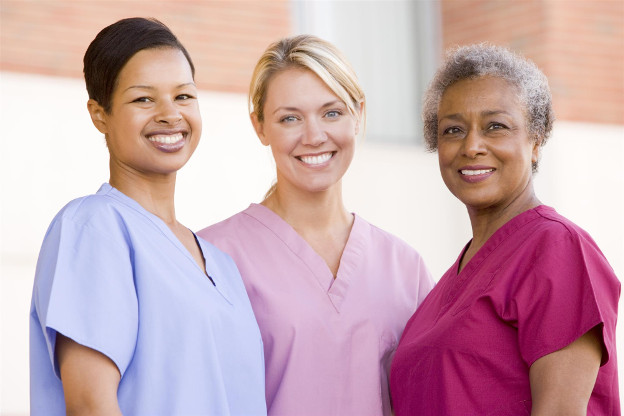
(477, 201)
(318, 187)
(169, 168)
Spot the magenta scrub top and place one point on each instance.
(328, 343)
(537, 285)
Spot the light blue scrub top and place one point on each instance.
(113, 277)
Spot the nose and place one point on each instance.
(474, 144)
(313, 134)
(168, 112)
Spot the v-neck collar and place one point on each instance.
(336, 289)
(458, 280)
(109, 190)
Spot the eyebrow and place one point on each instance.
(327, 104)
(458, 116)
(495, 112)
(149, 87)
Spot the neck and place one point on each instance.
(320, 218)
(310, 211)
(154, 193)
(487, 221)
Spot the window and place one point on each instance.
(394, 47)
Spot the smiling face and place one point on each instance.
(154, 123)
(310, 131)
(484, 150)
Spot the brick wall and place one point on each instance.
(224, 38)
(578, 44)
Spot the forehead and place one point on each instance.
(154, 65)
(477, 93)
(296, 84)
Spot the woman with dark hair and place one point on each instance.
(524, 321)
(131, 312)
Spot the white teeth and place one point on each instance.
(475, 172)
(161, 138)
(316, 160)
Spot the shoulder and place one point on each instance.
(556, 245)
(384, 243)
(382, 238)
(252, 226)
(229, 227)
(385, 251)
(551, 227)
(98, 213)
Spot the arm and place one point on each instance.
(562, 382)
(90, 379)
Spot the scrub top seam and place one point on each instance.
(156, 222)
(288, 246)
(339, 286)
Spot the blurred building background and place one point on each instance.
(50, 153)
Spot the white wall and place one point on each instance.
(50, 153)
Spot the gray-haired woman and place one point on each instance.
(524, 321)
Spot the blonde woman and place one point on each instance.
(331, 292)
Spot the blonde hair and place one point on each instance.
(314, 54)
(311, 53)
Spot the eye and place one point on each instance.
(141, 100)
(288, 119)
(451, 130)
(496, 126)
(333, 114)
(184, 97)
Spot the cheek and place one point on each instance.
(283, 140)
(196, 117)
(197, 125)
(346, 134)
(445, 155)
(281, 148)
(129, 124)
(525, 156)
(348, 153)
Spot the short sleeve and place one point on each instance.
(84, 288)
(568, 289)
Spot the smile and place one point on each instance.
(168, 143)
(475, 172)
(166, 139)
(316, 159)
(476, 175)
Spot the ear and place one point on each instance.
(360, 113)
(98, 116)
(535, 151)
(259, 128)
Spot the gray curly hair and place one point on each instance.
(483, 59)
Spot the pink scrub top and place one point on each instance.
(537, 285)
(328, 343)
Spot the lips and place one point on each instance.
(316, 160)
(473, 174)
(168, 143)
